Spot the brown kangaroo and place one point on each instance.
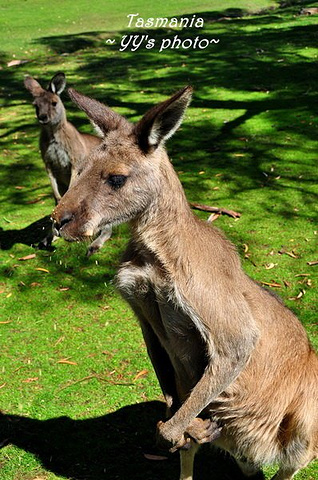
(63, 148)
(235, 365)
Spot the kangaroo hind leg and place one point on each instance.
(250, 470)
(187, 461)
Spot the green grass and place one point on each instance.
(79, 394)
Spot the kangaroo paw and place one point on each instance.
(203, 431)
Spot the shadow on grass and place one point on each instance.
(108, 447)
(259, 55)
(31, 235)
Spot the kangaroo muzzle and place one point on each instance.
(59, 221)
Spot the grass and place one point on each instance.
(79, 394)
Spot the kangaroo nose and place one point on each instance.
(43, 118)
(58, 224)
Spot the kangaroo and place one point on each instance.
(63, 147)
(234, 364)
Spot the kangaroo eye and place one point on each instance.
(116, 181)
(54, 104)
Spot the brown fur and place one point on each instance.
(222, 347)
(62, 145)
(63, 148)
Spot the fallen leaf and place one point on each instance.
(213, 217)
(5, 322)
(66, 361)
(245, 247)
(104, 307)
(59, 341)
(149, 456)
(3, 385)
(275, 285)
(303, 275)
(290, 254)
(313, 263)
(35, 284)
(18, 187)
(287, 284)
(106, 352)
(63, 289)
(14, 63)
(27, 257)
(29, 380)
(42, 270)
(269, 266)
(300, 294)
(141, 374)
(9, 295)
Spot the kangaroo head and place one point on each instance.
(48, 105)
(123, 176)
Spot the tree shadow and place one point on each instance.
(110, 447)
(250, 58)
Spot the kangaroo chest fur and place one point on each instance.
(159, 307)
(56, 155)
(58, 163)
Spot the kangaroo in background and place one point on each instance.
(235, 365)
(63, 148)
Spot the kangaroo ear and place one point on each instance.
(33, 86)
(160, 123)
(57, 83)
(103, 118)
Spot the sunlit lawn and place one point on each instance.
(79, 393)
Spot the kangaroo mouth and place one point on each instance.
(71, 232)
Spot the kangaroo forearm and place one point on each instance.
(226, 360)
(214, 381)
